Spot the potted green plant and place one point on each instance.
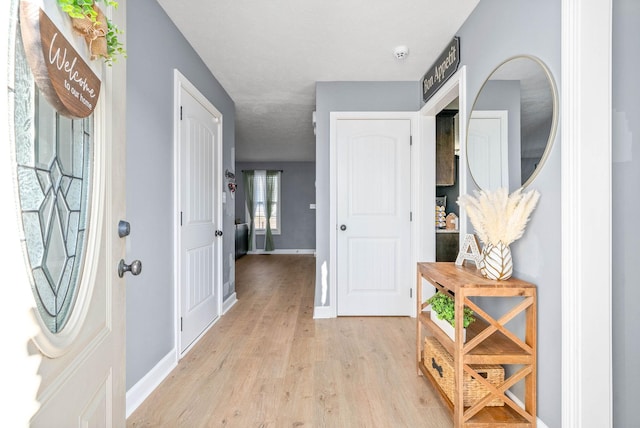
(443, 314)
(100, 33)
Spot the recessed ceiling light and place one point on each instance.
(401, 52)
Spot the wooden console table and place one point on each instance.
(489, 341)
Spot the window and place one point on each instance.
(260, 201)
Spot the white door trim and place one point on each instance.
(425, 158)
(181, 82)
(331, 290)
(586, 213)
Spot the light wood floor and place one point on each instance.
(267, 363)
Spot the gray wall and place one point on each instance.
(348, 96)
(155, 47)
(298, 222)
(626, 211)
(497, 30)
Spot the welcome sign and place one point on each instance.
(441, 70)
(61, 73)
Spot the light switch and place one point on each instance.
(312, 206)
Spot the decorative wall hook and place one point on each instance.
(231, 180)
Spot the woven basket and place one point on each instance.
(440, 364)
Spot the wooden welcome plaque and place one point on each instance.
(63, 76)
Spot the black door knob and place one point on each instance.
(343, 227)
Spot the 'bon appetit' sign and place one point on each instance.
(62, 75)
(441, 70)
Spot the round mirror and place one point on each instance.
(512, 124)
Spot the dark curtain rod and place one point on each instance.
(279, 170)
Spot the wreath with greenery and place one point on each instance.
(88, 10)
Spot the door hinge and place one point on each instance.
(180, 112)
(411, 140)
(180, 218)
(180, 323)
(410, 216)
(411, 293)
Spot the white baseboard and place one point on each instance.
(284, 251)
(321, 312)
(228, 304)
(145, 386)
(511, 395)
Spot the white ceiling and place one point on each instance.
(268, 55)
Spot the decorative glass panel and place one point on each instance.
(54, 158)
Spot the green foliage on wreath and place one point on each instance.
(114, 47)
(84, 9)
(444, 307)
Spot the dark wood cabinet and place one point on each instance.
(445, 148)
(242, 239)
(447, 245)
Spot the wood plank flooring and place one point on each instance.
(268, 363)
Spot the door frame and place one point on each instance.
(455, 87)
(181, 82)
(333, 193)
(586, 137)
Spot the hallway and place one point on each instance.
(267, 363)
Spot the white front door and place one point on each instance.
(373, 217)
(487, 149)
(199, 233)
(63, 357)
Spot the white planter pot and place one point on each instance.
(447, 328)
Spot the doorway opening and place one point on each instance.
(444, 132)
(447, 183)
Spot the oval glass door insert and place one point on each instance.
(53, 170)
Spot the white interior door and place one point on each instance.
(62, 366)
(487, 149)
(373, 217)
(199, 234)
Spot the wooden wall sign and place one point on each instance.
(63, 76)
(441, 70)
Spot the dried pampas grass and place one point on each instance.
(498, 216)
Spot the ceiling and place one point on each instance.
(268, 55)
